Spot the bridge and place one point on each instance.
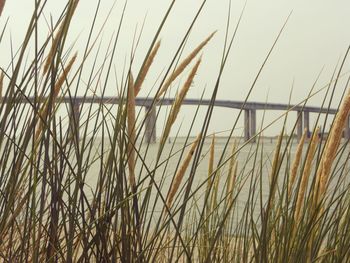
(249, 109)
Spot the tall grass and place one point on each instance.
(87, 187)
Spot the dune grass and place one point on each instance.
(142, 211)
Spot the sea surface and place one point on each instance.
(254, 159)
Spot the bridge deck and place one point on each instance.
(147, 102)
(249, 108)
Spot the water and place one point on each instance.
(172, 154)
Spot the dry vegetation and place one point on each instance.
(48, 213)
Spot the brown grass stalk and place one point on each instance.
(332, 145)
(296, 162)
(144, 70)
(232, 173)
(181, 172)
(211, 156)
(178, 102)
(216, 182)
(131, 130)
(63, 77)
(2, 75)
(182, 66)
(210, 167)
(58, 37)
(2, 5)
(276, 158)
(53, 50)
(232, 180)
(306, 173)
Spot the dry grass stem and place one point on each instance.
(178, 102)
(306, 173)
(58, 37)
(276, 158)
(107, 189)
(182, 66)
(144, 70)
(216, 182)
(131, 130)
(1, 83)
(2, 5)
(63, 77)
(333, 144)
(232, 172)
(53, 50)
(296, 162)
(211, 156)
(181, 172)
(232, 180)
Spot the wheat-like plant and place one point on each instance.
(232, 173)
(131, 130)
(178, 102)
(181, 172)
(333, 145)
(306, 173)
(144, 70)
(296, 162)
(180, 68)
(59, 35)
(58, 85)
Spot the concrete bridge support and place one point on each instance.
(150, 124)
(74, 118)
(249, 124)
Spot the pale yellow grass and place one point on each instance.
(181, 172)
(180, 68)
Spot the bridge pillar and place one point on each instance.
(150, 124)
(246, 125)
(347, 129)
(307, 123)
(253, 124)
(299, 125)
(74, 118)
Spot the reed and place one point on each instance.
(43, 113)
(332, 145)
(296, 162)
(211, 156)
(182, 66)
(306, 172)
(232, 173)
(181, 172)
(131, 130)
(109, 196)
(144, 70)
(59, 38)
(1, 83)
(178, 102)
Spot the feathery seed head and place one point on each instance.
(182, 66)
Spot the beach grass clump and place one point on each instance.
(79, 182)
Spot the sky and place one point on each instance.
(313, 42)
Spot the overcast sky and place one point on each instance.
(315, 37)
